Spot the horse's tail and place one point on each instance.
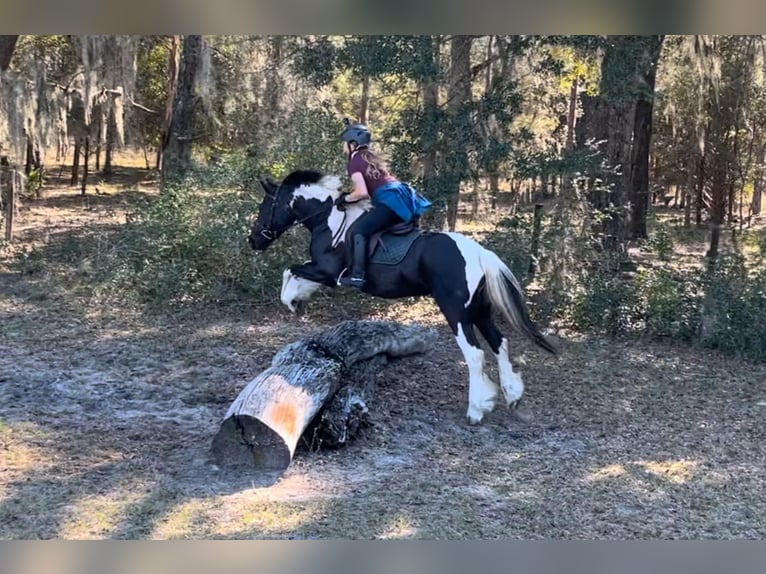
(506, 295)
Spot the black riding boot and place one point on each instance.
(358, 263)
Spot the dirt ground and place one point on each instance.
(106, 420)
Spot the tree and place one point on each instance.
(7, 46)
(620, 117)
(177, 152)
(454, 161)
(642, 134)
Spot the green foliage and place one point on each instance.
(606, 303)
(185, 246)
(672, 303)
(720, 310)
(735, 308)
(152, 84)
(661, 243)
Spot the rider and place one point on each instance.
(393, 201)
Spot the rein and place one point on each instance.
(268, 233)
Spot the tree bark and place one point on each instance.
(755, 207)
(85, 154)
(315, 393)
(699, 203)
(8, 189)
(76, 163)
(455, 160)
(364, 100)
(430, 91)
(7, 47)
(535, 246)
(111, 126)
(173, 66)
(273, 88)
(494, 188)
(688, 201)
(177, 154)
(642, 137)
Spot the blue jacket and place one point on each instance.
(402, 199)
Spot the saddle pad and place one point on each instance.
(392, 249)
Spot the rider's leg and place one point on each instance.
(377, 219)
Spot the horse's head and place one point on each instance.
(299, 197)
(275, 215)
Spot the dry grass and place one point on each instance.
(106, 418)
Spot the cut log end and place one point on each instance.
(316, 392)
(246, 442)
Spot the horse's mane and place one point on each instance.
(303, 177)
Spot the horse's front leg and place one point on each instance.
(300, 282)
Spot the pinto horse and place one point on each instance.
(466, 280)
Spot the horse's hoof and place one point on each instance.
(473, 421)
(474, 416)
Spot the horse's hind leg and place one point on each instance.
(481, 390)
(510, 382)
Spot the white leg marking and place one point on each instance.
(296, 289)
(510, 382)
(481, 389)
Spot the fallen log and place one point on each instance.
(316, 391)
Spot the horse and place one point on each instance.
(467, 281)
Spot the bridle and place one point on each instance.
(268, 232)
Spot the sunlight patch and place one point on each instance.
(261, 518)
(677, 471)
(186, 520)
(97, 517)
(20, 458)
(400, 528)
(610, 471)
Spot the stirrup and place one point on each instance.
(357, 282)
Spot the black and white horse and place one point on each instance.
(466, 280)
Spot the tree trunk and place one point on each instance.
(699, 203)
(5, 190)
(101, 130)
(173, 65)
(535, 246)
(494, 188)
(10, 203)
(755, 207)
(7, 46)
(718, 207)
(85, 154)
(315, 393)
(177, 154)
(455, 160)
(30, 156)
(273, 89)
(111, 126)
(429, 139)
(688, 201)
(76, 163)
(476, 199)
(642, 137)
(567, 181)
(571, 115)
(364, 101)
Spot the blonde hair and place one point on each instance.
(377, 165)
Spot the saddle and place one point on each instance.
(397, 229)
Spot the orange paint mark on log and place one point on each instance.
(283, 416)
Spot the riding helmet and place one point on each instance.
(358, 133)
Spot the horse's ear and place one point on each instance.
(267, 184)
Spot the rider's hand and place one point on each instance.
(340, 202)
